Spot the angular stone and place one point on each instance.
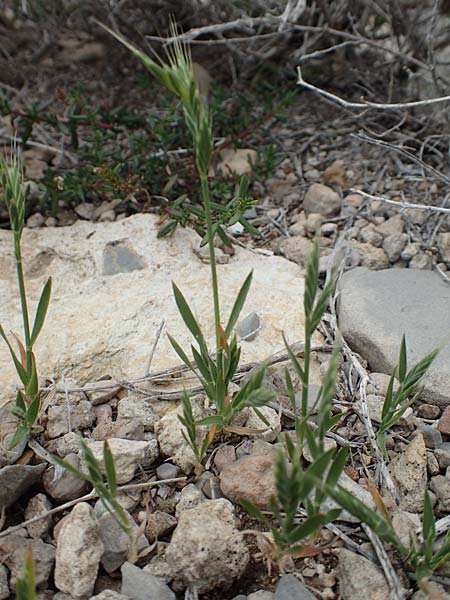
(440, 485)
(137, 408)
(394, 224)
(376, 309)
(127, 455)
(409, 471)
(358, 576)
(296, 249)
(125, 319)
(159, 523)
(4, 587)
(8, 426)
(116, 543)
(444, 422)
(78, 552)
(38, 505)
(206, 550)
(250, 477)
(13, 549)
(118, 258)
(82, 416)
(110, 595)
(15, 480)
(432, 437)
(139, 585)
(66, 486)
(291, 588)
(271, 416)
(323, 200)
(394, 244)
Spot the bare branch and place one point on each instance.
(400, 204)
(365, 105)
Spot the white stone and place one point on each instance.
(78, 552)
(101, 324)
(127, 455)
(206, 550)
(271, 416)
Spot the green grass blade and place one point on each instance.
(41, 311)
(402, 361)
(311, 281)
(21, 371)
(238, 304)
(25, 584)
(186, 313)
(110, 468)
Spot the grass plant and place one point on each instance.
(214, 370)
(27, 401)
(25, 584)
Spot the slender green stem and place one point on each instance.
(212, 259)
(306, 363)
(23, 300)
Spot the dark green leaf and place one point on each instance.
(41, 311)
(402, 361)
(187, 314)
(110, 468)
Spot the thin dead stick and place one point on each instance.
(397, 590)
(152, 352)
(124, 488)
(363, 413)
(405, 152)
(400, 204)
(365, 105)
(157, 377)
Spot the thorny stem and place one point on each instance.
(23, 299)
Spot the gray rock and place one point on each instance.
(206, 550)
(394, 224)
(13, 549)
(38, 505)
(442, 455)
(323, 200)
(370, 236)
(134, 407)
(4, 587)
(261, 595)
(167, 471)
(82, 416)
(394, 244)
(116, 543)
(444, 247)
(190, 497)
(15, 480)
(248, 327)
(421, 261)
(159, 523)
(109, 595)
(375, 309)
(118, 258)
(409, 251)
(431, 436)
(290, 588)
(373, 258)
(68, 444)
(139, 585)
(8, 426)
(440, 485)
(358, 576)
(65, 485)
(78, 552)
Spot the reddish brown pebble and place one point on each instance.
(444, 422)
(428, 411)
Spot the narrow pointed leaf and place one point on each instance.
(238, 304)
(187, 314)
(41, 311)
(110, 468)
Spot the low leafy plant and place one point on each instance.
(27, 401)
(106, 491)
(293, 475)
(25, 584)
(408, 391)
(214, 373)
